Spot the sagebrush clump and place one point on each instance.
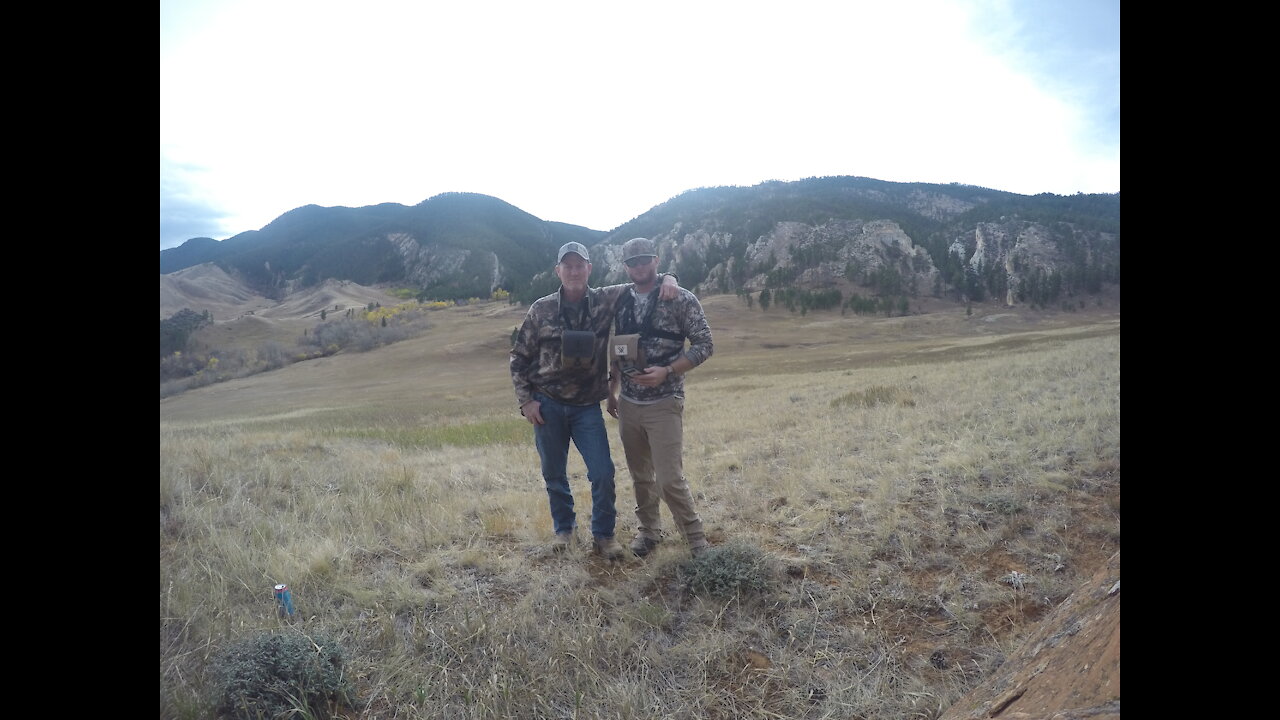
(728, 570)
(272, 674)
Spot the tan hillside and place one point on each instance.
(245, 319)
(207, 287)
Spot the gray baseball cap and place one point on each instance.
(639, 247)
(572, 247)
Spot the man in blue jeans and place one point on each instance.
(560, 370)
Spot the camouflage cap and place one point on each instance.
(639, 247)
(572, 247)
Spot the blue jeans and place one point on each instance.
(584, 424)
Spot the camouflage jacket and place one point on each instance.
(535, 356)
(680, 317)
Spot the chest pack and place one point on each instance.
(626, 322)
(577, 347)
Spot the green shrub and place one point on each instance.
(272, 676)
(727, 570)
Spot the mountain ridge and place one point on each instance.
(844, 232)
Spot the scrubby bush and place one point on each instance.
(282, 675)
(728, 570)
(375, 327)
(202, 366)
(176, 330)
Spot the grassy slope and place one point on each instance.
(895, 471)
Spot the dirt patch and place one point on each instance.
(1068, 668)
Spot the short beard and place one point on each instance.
(651, 276)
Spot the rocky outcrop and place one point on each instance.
(849, 250)
(1022, 253)
(426, 264)
(792, 254)
(1010, 258)
(684, 250)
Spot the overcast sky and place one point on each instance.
(593, 112)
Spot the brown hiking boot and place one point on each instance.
(562, 542)
(608, 547)
(642, 544)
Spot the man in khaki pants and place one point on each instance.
(649, 361)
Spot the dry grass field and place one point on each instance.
(919, 491)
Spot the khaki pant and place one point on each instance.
(653, 440)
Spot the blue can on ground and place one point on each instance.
(285, 600)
